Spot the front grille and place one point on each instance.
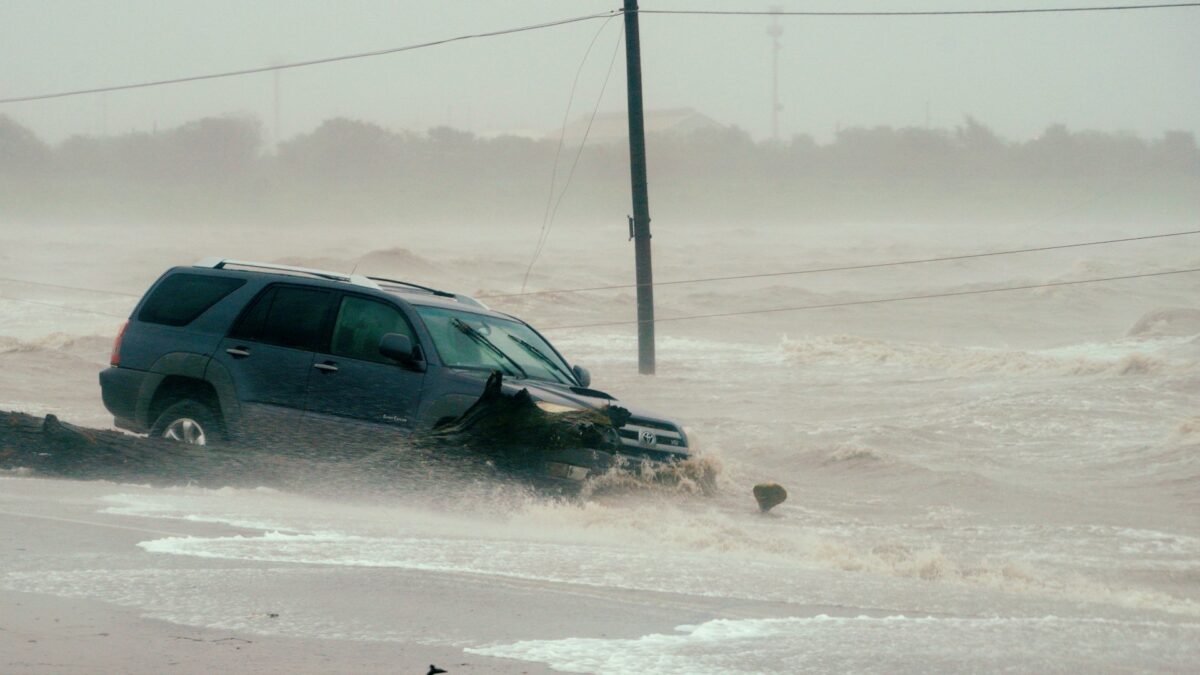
(635, 436)
(645, 434)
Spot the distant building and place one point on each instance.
(614, 127)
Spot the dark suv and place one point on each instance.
(239, 351)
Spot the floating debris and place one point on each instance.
(769, 495)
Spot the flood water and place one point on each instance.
(999, 482)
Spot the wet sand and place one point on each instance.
(46, 634)
(57, 529)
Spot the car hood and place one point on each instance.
(577, 397)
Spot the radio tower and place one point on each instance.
(775, 30)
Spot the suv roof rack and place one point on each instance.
(427, 289)
(356, 279)
(222, 263)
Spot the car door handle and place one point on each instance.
(238, 352)
(327, 367)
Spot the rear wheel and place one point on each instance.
(188, 421)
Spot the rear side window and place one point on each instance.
(286, 316)
(180, 298)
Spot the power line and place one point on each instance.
(933, 12)
(562, 137)
(879, 301)
(549, 223)
(315, 62)
(736, 277)
(576, 19)
(847, 268)
(772, 310)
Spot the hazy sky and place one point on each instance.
(1134, 71)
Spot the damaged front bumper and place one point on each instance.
(639, 444)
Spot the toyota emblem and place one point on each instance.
(647, 438)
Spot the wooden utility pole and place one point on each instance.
(640, 224)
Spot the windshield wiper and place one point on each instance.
(541, 356)
(479, 338)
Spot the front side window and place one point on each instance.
(286, 316)
(469, 340)
(361, 324)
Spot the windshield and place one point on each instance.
(470, 340)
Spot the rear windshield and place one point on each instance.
(180, 298)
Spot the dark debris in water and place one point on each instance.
(769, 495)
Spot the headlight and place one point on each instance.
(555, 408)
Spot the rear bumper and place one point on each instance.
(120, 389)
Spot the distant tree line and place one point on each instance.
(349, 171)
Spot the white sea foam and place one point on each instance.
(822, 644)
(181, 507)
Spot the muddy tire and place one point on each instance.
(189, 421)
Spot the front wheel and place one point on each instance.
(188, 421)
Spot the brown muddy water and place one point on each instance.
(1006, 481)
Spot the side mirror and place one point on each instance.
(399, 348)
(582, 374)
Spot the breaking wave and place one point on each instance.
(1121, 360)
(1180, 321)
(385, 262)
(852, 453)
(80, 345)
(1189, 429)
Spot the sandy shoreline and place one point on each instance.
(101, 617)
(46, 634)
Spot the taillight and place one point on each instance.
(115, 359)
